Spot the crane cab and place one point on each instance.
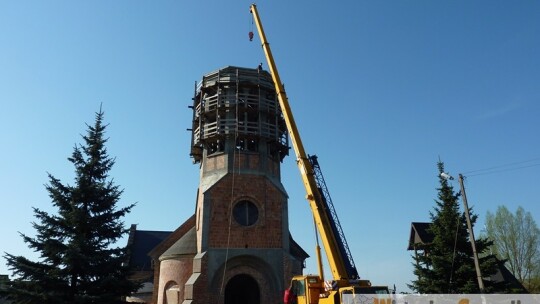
(310, 289)
(307, 289)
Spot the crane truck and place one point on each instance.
(346, 283)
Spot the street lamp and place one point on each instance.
(469, 226)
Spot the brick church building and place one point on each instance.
(237, 247)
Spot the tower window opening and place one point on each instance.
(245, 213)
(215, 147)
(252, 145)
(247, 144)
(240, 145)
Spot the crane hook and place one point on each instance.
(250, 36)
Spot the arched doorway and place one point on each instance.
(242, 289)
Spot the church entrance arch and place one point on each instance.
(242, 289)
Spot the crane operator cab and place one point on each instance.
(310, 289)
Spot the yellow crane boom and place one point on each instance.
(321, 216)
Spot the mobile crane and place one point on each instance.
(311, 289)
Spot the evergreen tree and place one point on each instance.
(79, 262)
(446, 265)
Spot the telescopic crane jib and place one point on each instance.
(311, 288)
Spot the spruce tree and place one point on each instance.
(446, 265)
(79, 262)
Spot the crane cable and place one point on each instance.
(231, 202)
(250, 34)
(230, 222)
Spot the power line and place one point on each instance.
(503, 166)
(504, 170)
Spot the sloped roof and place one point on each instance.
(504, 275)
(172, 238)
(148, 245)
(141, 242)
(187, 244)
(297, 251)
(419, 234)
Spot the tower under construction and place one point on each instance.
(237, 247)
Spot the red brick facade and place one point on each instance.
(173, 275)
(266, 233)
(242, 248)
(160, 249)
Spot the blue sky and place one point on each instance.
(379, 89)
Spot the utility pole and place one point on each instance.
(471, 235)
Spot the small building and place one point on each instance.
(421, 237)
(140, 243)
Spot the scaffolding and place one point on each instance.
(237, 108)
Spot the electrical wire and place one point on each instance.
(499, 168)
(450, 290)
(504, 170)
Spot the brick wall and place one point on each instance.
(161, 248)
(267, 295)
(174, 272)
(224, 231)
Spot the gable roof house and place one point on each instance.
(421, 237)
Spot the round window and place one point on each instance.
(245, 213)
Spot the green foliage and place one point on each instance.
(516, 239)
(446, 265)
(78, 260)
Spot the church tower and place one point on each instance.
(238, 243)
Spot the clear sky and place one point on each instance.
(380, 90)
